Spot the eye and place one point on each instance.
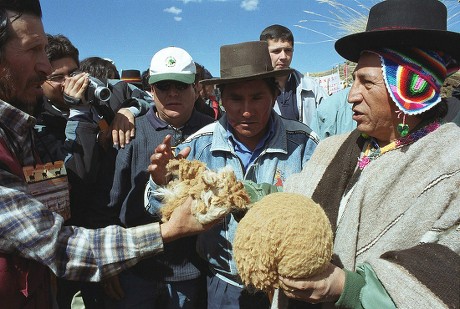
(369, 84)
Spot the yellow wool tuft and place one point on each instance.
(283, 234)
(215, 192)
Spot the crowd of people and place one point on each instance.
(83, 146)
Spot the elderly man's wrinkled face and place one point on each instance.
(248, 106)
(373, 109)
(24, 65)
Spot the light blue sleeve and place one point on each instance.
(152, 200)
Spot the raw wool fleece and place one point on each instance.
(283, 234)
(214, 193)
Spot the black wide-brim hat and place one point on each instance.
(245, 61)
(400, 24)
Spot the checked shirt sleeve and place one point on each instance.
(29, 229)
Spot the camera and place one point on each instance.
(96, 91)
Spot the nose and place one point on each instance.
(43, 65)
(247, 109)
(283, 54)
(354, 95)
(173, 91)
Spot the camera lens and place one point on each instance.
(102, 93)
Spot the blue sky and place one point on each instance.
(131, 31)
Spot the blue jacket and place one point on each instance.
(334, 115)
(285, 153)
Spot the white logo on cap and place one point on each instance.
(170, 61)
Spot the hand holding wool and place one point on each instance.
(214, 194)
(284, 234)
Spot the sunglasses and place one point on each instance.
(166, 85)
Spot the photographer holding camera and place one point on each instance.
(85, 107)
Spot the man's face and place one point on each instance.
(248, 106)
(24, 66)
(280, 53)
(53, 87)
(174, 101)
(373, 109)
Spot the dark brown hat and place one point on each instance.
(132, 77)
(403, 23)
(245, 61)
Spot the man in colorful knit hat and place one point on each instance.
(395, 206)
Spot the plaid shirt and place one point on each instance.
(29, 229)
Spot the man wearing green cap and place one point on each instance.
(174, 279)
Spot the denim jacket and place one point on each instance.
(285, 153)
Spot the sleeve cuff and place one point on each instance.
(148, 237)
(82, 112)
(134, 110)
(350, 297)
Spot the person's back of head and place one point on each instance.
(145, 80)
(99, 68)
(277, 33)
(59, 46)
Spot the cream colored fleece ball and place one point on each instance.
(283, 234)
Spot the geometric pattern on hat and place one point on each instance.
(413, 78)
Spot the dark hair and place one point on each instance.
(59, 46)
(20, 7)
(145, 80)
(436, 112)
(271, 83)
(199, 72)
(99, 68)
(31, 7)
(277, 32)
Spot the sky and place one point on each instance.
(130, 32)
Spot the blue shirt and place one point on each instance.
(244, 153)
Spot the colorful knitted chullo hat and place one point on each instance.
(416, 50)
(414, 77)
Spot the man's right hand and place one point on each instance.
(75, 86)
(160, 158)
(183, 223)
